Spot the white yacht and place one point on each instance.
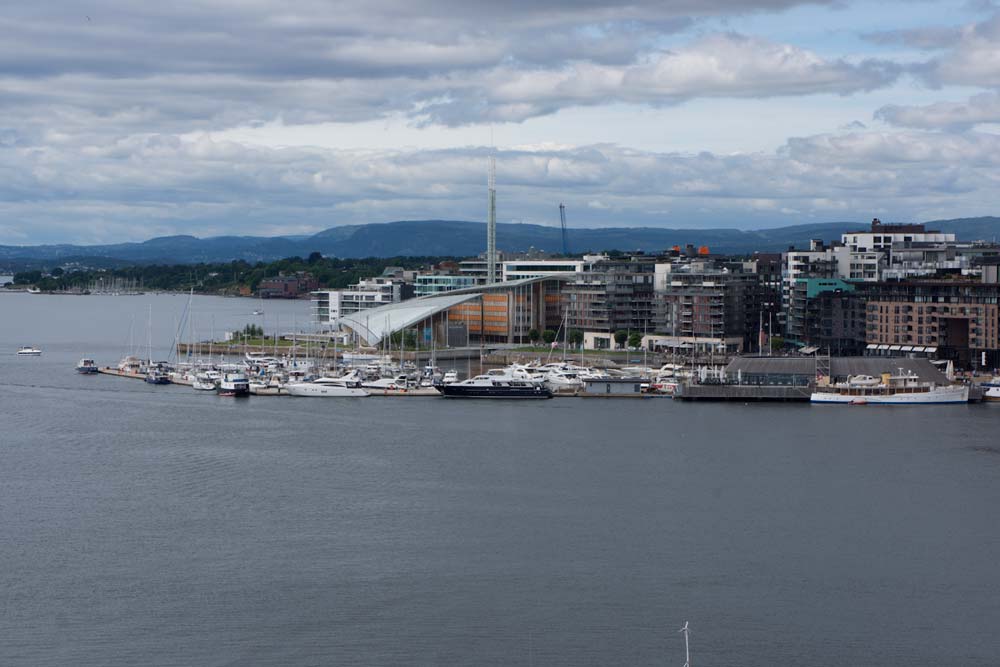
(901, 389)
(563, 381)
(204, 382)
(329, 387)
(390, 383)
(450, 377)
(29, 351)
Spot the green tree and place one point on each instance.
(576, 338)
(548, 336)
(533, 335)
(620, 337)
(635, 339)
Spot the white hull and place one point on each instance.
(992, 394)
(310, 389)
(203, 386)
(936, 396)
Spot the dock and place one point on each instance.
(747, 393)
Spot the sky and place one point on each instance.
(123, 120)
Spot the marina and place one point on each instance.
(446, 516)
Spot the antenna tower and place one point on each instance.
(491, 225)
(562, 222)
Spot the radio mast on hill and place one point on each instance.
(491, 225)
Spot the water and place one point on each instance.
(160, 526)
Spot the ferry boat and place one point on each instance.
(495, 385)
(86, 366)
(29, 351)
(901, 389)
(234, 383)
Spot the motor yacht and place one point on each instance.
(29, 351)
(496, 385)
(347, 386)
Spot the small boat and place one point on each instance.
(267, 387)
(203, 382)
(157, 376)
(86, 366)
(450, 377)
(234, 383)
(29, 351)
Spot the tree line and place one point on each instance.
(228, 277)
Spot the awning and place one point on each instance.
(872, 346)
(917, 348)
(883, 347)
(894, 348)
(931, 349)
(808, 350)
(907, 348)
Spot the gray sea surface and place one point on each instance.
(149, 525)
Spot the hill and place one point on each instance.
(450, 238)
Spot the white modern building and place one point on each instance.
(331, 305)
(537, 268)
(885, 238)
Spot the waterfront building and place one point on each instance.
(287, 286)
(503, 312)
(705, 306)
(611, 295)
(827, 314)
(520, 269)
(956, 319)
(854, 263)
(330, 305)
(429, 284)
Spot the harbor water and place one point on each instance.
(157, 525)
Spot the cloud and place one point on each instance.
(123, 67)
(142, 186)
(982, 108)
(973, 59)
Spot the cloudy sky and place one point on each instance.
(123, 120)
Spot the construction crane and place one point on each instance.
(562, 222)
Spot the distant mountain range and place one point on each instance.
(448, 238)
